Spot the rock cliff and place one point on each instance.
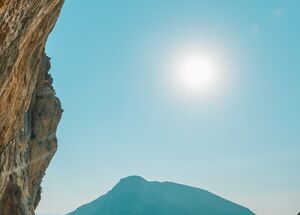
(29, 109)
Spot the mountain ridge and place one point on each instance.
(135, 195)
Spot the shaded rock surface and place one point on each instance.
(136, 196)
(29, 109)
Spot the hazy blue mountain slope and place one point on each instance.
(136, 196)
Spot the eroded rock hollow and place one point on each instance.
(29, 109)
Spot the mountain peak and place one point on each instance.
(135, 195)
(133, 179)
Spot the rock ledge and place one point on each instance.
(29, 109)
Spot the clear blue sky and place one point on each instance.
(122, 117)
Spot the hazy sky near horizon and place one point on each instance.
(124, 115)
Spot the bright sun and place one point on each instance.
(197, 73)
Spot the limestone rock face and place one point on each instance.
(29, 109)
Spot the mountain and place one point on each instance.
(136, 196)
(29, 108)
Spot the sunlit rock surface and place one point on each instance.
(29, 109)
(136, 196)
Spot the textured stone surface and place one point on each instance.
(29, 109)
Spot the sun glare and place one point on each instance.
(197, 71)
